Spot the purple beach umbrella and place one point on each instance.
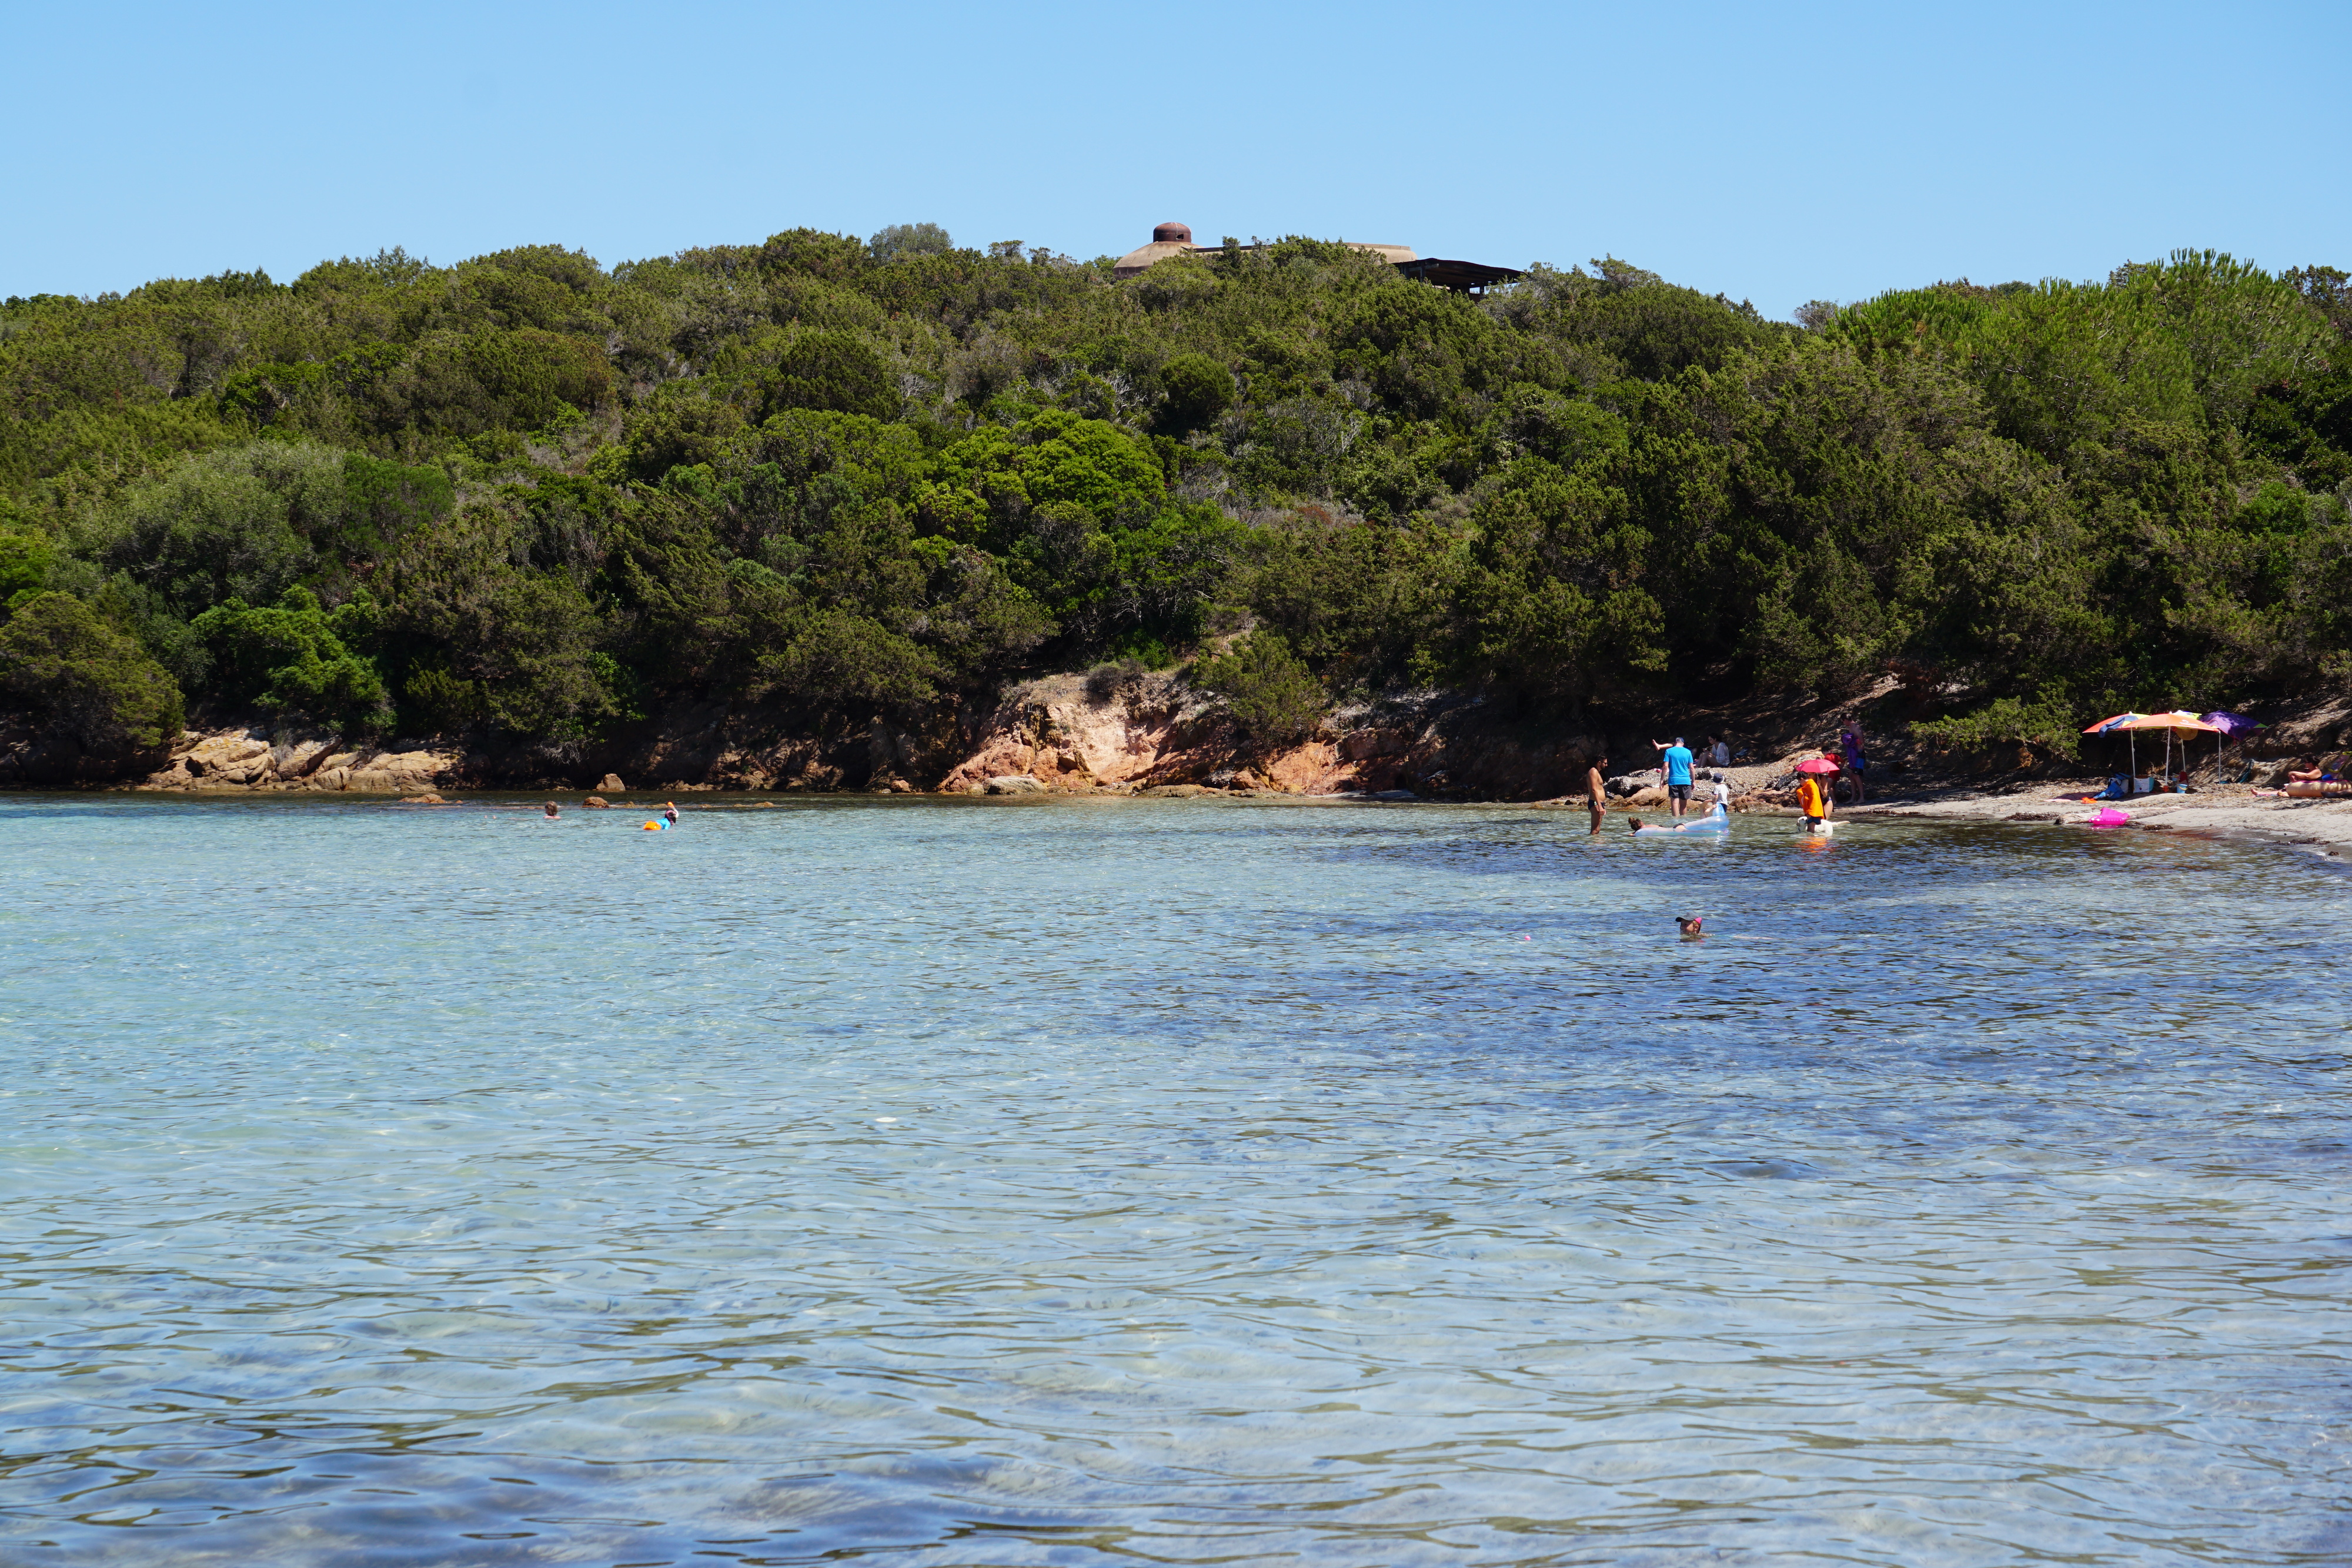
(2230, 723)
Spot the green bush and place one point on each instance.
(24, 563)
(435, 702)
(2047, 720)
(1196, 389)
(60, 658)
(895, 240)
(840, 372)
(289, 657)
(1271, 694)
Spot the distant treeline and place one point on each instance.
(528, 499)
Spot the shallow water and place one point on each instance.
(1075, 1182)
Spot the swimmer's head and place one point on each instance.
(550, 809)
(1632, 824)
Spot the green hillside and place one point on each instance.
(529, 501)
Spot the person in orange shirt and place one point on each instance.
(1813, 800)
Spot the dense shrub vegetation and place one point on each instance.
(528, 499)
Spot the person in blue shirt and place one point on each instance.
(1676, 760)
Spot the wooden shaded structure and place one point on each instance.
(1466, 276)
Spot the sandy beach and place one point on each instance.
(2322, 826)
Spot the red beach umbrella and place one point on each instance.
(1817, 764)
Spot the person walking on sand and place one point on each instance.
(1676, 760)
(1596, 792)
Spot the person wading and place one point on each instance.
(1813, 800)
(1676, 762)
(1596, 793)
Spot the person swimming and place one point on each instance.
(552, 811)
(669, 813)
(1690, 924)
(1635, 825)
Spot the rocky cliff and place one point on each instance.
(1073, 732)
(1126, 732)
(241, 759)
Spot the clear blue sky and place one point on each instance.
(1775, 152)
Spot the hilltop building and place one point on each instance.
(1470, 277)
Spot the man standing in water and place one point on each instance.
(1596, 793)
(1676, 762)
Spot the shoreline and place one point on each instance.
(2321, 827)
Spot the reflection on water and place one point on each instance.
(1071, 1183)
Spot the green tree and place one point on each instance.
(1195, 390)
(291, 657)
(62, 660)
(1271, 694)
(895, 240)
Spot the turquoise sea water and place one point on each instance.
(1073, 1182)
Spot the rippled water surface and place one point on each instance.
(1176, 1182)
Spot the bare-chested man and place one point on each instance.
(1596, 792)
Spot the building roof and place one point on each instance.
(1176, 239)
(1145, 256)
